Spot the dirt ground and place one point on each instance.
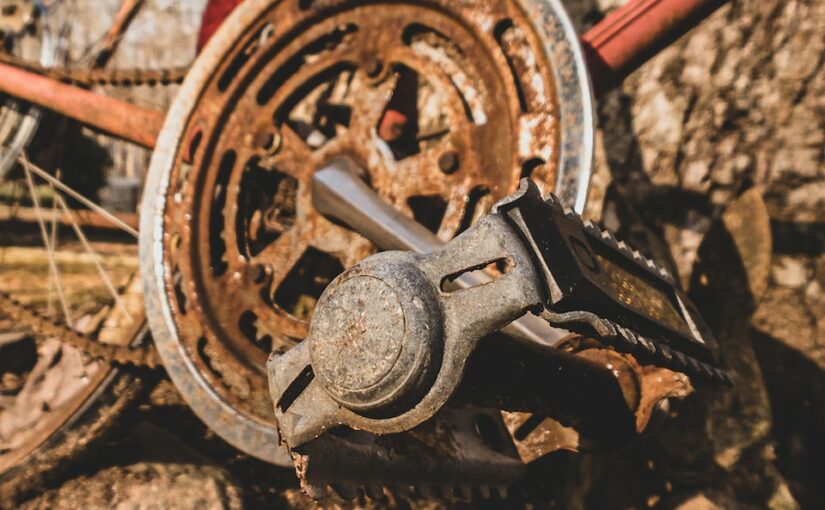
(732, 118)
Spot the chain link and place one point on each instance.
(144, 355)
(90, 77)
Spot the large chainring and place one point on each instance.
(446, 104)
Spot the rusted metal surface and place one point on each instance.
(635, 32)
(111, 116)
(210, 233)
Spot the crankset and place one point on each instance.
(390, 339)
(444, 104)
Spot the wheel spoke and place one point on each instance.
(50, 302)
(57, 183)
(458, 205)
(294, 157)
(422, 169)
(93, 255)
(49, 251)
(281, 324)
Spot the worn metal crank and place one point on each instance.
(379, 384)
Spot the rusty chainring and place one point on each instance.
(446, 104)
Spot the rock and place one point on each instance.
(145, 485)
(152, 469)
(808, 200)
(696, 177)
(789, 272)
(784, 316)
(796, 161)
(698, 502)
(782, 499)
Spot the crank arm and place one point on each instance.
(402, 373)
(338, 192)
(616, 291)
(388, 340)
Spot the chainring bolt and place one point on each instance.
(257, 272)
(270, 142)
(373, 67)
(448, 162)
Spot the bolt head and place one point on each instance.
(448, 162)
(257, 272)
(269, 141)
(373, 67)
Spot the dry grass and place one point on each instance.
(25, 274)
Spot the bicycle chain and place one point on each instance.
(141, 356)
(90, 77)
(124, 355)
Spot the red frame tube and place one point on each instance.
(111, 116)
(632, 34)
